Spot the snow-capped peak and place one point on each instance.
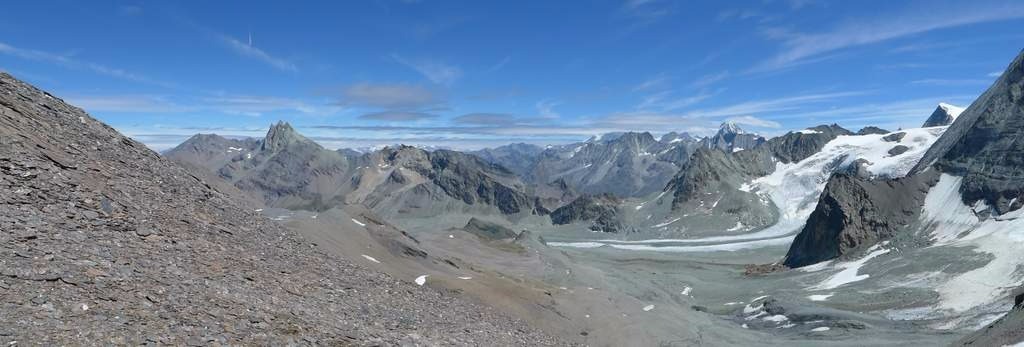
(951, 110)
(729, 127)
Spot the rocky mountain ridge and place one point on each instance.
(980, 146)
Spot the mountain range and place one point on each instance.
(104, 232)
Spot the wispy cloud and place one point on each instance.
(252, 105)
(247, 49)
(436, 72)
(486, 119)
(801, 47)
(755, 122)
(127, 103)
(710, 79)
(665, 101)
(946, 82)
(656, 82)
(500, 65)
(397, 116)
(781, 104)
(546, 108)
(995, 74)
(390, 96)
(74, 64)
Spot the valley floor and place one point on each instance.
(611, 297)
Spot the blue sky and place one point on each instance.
(467, 74)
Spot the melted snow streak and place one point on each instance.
(371, 258)
(794, 189)
(358, 222)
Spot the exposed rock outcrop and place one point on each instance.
(601, 211)
(855, 212)
(870, 130)
(488, 230)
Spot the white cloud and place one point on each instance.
(995, 74)
(247, 49)
(803, 47)
(436, 72)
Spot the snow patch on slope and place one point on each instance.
(953, 224)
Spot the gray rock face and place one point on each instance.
(474, 181)
(107, 243)
(854, 212)
(601, 211)
(211, 151)
(287, 170)
(716, 170)
(730, 137)
(869, 130)
(516, 157)
(897, 150)
(981, 146)
(626, 165)
(943, 115)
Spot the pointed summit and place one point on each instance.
(729, 127)
(731, 137)
(282, 135)
(943, 115)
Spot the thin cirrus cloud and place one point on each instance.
(948, 82)
(75, 64)
(798, 48)
(397, 116)
(247, 49)
(127, 103)
(435, 71)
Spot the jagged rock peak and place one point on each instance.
(282, 135)
(729, 127)
(943, 115)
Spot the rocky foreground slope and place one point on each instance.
(104, 242)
